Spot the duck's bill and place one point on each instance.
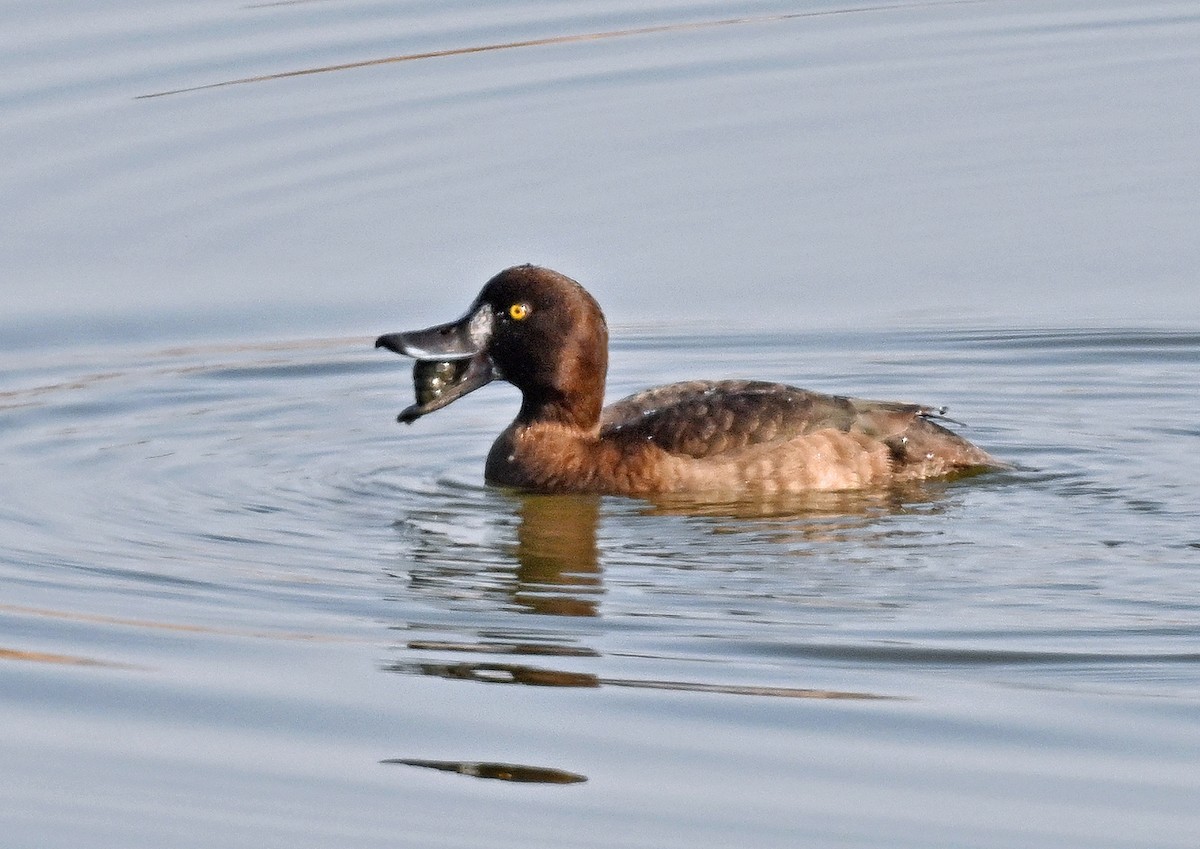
(451, 361)
(439, 382)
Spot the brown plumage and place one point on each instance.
(542, 332)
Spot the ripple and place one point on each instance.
(245, 477)
(544, 42)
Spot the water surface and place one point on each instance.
(234, 587)
(242, 606)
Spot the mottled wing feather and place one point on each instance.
(708, 418)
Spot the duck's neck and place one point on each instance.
(569, 389)
(575, 409)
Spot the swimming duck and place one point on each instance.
(542, 332)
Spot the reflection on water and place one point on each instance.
(500, 673)
(558, 569)
(501, 772)
(498, 647)
(510, 673)
(47, 657)
(554, 569)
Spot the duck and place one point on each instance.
(542, 332)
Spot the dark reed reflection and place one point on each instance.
(512, 673)
(519, 773)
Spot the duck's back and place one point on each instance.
(779, 431)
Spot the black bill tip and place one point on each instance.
(389, 341)
(410, 414)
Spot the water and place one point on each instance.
(242, 606)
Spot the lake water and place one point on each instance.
(241, 606)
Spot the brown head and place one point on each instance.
(538, 329)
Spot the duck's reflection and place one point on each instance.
(805, 511)
(554, 567)
(558, 563)
(555, 570)
(470, 554)
(465, 554)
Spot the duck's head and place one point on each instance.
(538, 329)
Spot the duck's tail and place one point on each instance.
(921, 447)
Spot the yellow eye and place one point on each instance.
(518, 311)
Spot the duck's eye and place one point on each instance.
(517, 312)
